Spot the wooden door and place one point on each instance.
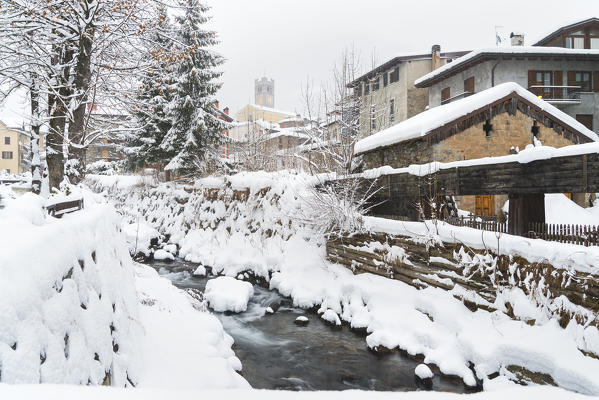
(485, 205)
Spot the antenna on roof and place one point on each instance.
(497, 37)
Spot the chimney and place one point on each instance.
(435, 57)
(226, 110)
(517, 39)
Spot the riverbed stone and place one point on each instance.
(302, 321)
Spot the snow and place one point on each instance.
(183, 348)
(228, 294)
(512, 50)
(332, 317)
(57, 392)
(69, 308)
(261, 236)
(200, 271)
(420, 125)
(422, 371)
(163, 255)
(302, 319)
(561, 210)
(139, 235)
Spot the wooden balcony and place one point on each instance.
(557, 94)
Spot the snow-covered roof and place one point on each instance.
(292, 132)
(402, 57)
(422, 124)
(495, 52)
(273, 110)
(295, 118)
(564, 27)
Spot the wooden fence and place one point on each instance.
(577, 234)
(479, 222)
(585, 235)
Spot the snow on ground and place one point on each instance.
(74, 307)
(183, 348)
(68, 309)
(55, 392)
(561, 210)
(262, 236)
(228, 294)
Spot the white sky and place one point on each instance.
(290, 40)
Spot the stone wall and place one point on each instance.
(476, 277)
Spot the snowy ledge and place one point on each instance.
(560, 255)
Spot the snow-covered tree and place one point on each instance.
(195, 136)
(152, 98)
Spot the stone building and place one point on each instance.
(255, 112)
(264, 92)
(566, 76)
(387, 94)
(495, 122)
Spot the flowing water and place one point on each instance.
(278, 354)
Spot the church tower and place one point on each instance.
(264, 92)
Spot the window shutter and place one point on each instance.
(558, 78)
(532, 78)
(596, 81)
(571, 78)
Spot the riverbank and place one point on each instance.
(246, 225)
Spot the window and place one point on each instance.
(385, 80)
(535, 129)
(391, 111)
(445, 94)
(7, 155)
(376, 84)
(469, 85)
(7, 140)
(488, 127)
(394, 75)
(366, 88)
(580, 78)
(595, 43)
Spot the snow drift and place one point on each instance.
(68, 306)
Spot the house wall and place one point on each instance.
(508, 131)
(408, 99)
(517, 71)
(18, 145)
(249, 112)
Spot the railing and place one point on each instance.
(484, 223)
(59, 209)
(557, 93)
(585, 235)
(456, 97)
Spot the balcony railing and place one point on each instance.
(557, 94)
(456, 97)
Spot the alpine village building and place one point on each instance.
(493, 102)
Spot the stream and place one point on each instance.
(278, 354)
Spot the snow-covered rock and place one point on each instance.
(422, 371)
(163, 255)
(171, 248)
(302, 321)
(200, 271)
(331, 317)
(228, 294)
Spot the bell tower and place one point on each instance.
(264, 92)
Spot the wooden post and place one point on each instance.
(525, 209)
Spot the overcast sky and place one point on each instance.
(290, 40)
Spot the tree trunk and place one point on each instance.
(61, 59)
(36, 171)
(77, 127)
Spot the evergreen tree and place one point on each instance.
(153, 97)
(195, 136)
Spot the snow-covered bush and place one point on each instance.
(337, 207)
(102, 167)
